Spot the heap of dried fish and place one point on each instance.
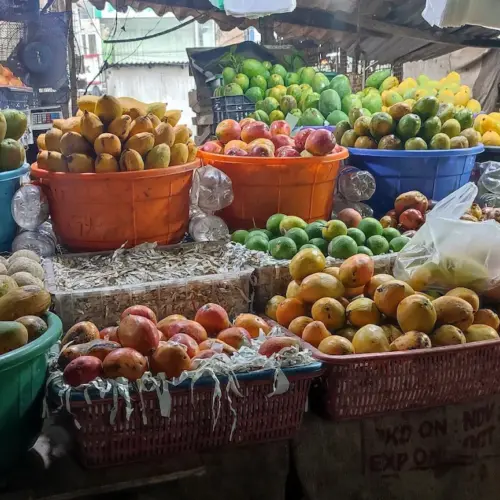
(147, 264)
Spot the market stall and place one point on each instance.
(311, 295)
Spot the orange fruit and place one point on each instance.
(288, 310)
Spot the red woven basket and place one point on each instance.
(190, 426)
(367, 385)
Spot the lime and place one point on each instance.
(291, 221)
(397, 244)
(298, 235)
(239, 236)
(276, 115)
(342, 247)
(370, 227)
(313, 229)
(256, 232)
(273, 223)
(321, 244)
(389, 233)
(334, 228)
(228, 75)
(365, 250)
(378, 244)
(308, 245)
(257, 242)
(282, 248)
(357, 235)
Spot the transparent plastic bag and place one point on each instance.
(489, 184)
(448, 252)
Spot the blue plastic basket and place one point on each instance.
(436, 174)
(9, 184)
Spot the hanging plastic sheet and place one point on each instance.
(257, 8)
(456, 13)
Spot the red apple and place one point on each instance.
(246, 121)
(280, 127)
(262, 150)
(320, 142)
(228, 130)
(255, 130)
(287, 152)
(281, 140)
(301, 138)
(236, 152)
(215, 147)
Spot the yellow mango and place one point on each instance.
(462, 98)
(489, 125)
(421, 93)
(410, 83)
(474, 106)
(465, 88)
(446, 96)
(478, 122)
(453, 77)
(410, 102)
(495, 116)
(491, 138)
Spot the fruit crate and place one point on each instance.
(368, 385)
(234, 107)
(195, 422)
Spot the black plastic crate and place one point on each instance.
(234, 107)
(16, 97)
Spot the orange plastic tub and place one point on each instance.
(266, 186)
(93, 212)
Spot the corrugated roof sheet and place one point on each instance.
(384, 30)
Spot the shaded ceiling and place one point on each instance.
(387, 31)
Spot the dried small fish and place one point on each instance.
(147, 264)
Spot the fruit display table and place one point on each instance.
(447, 452)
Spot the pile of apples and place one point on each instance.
(175, 344)
(253, 138)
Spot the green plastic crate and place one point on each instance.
(22, 385)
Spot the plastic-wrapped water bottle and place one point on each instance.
(355, 185)
(205, 227)
(340, 203)
(41, 241)
(212, 189)
(489, 184)
(29, 207)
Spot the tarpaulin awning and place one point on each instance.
(384, 30)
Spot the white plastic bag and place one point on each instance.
(448, 252)
(258, 8)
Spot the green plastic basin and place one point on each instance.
(22, 384)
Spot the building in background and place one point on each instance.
(150, 70)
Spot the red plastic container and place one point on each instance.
(94, 212)
(190, 427)
(367, 385)
(266, 186)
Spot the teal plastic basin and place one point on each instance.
(22, 384)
